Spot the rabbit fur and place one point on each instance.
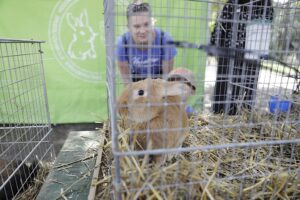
(155, 108)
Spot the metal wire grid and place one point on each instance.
(250, 85)
(25, 121)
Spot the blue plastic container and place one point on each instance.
(277, 105)
(189, 110)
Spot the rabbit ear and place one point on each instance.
(175, 89)
(84, 18)
(72, 22)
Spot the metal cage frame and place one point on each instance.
(271, 81)
(25, 120)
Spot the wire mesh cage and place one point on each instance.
(25, 122)
(227, 126)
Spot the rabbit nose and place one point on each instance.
(141, 92)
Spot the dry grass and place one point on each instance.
(249, 172)
(33, 190)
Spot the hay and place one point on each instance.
(33, 190)
(253, 172)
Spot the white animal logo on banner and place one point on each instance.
(82, 45)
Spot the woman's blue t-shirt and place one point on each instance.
(147, 61)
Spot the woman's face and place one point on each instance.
(141, 28)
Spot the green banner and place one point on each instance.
(74, 52)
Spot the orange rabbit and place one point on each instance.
(154, 111)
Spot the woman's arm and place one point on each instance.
(167, 66)
(125, 72)
(168, 54)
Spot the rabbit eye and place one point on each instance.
(141, 92)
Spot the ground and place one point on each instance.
(60, 132)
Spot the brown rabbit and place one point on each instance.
(153, 109)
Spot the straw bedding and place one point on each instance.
(33, 190)
(250, 172)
